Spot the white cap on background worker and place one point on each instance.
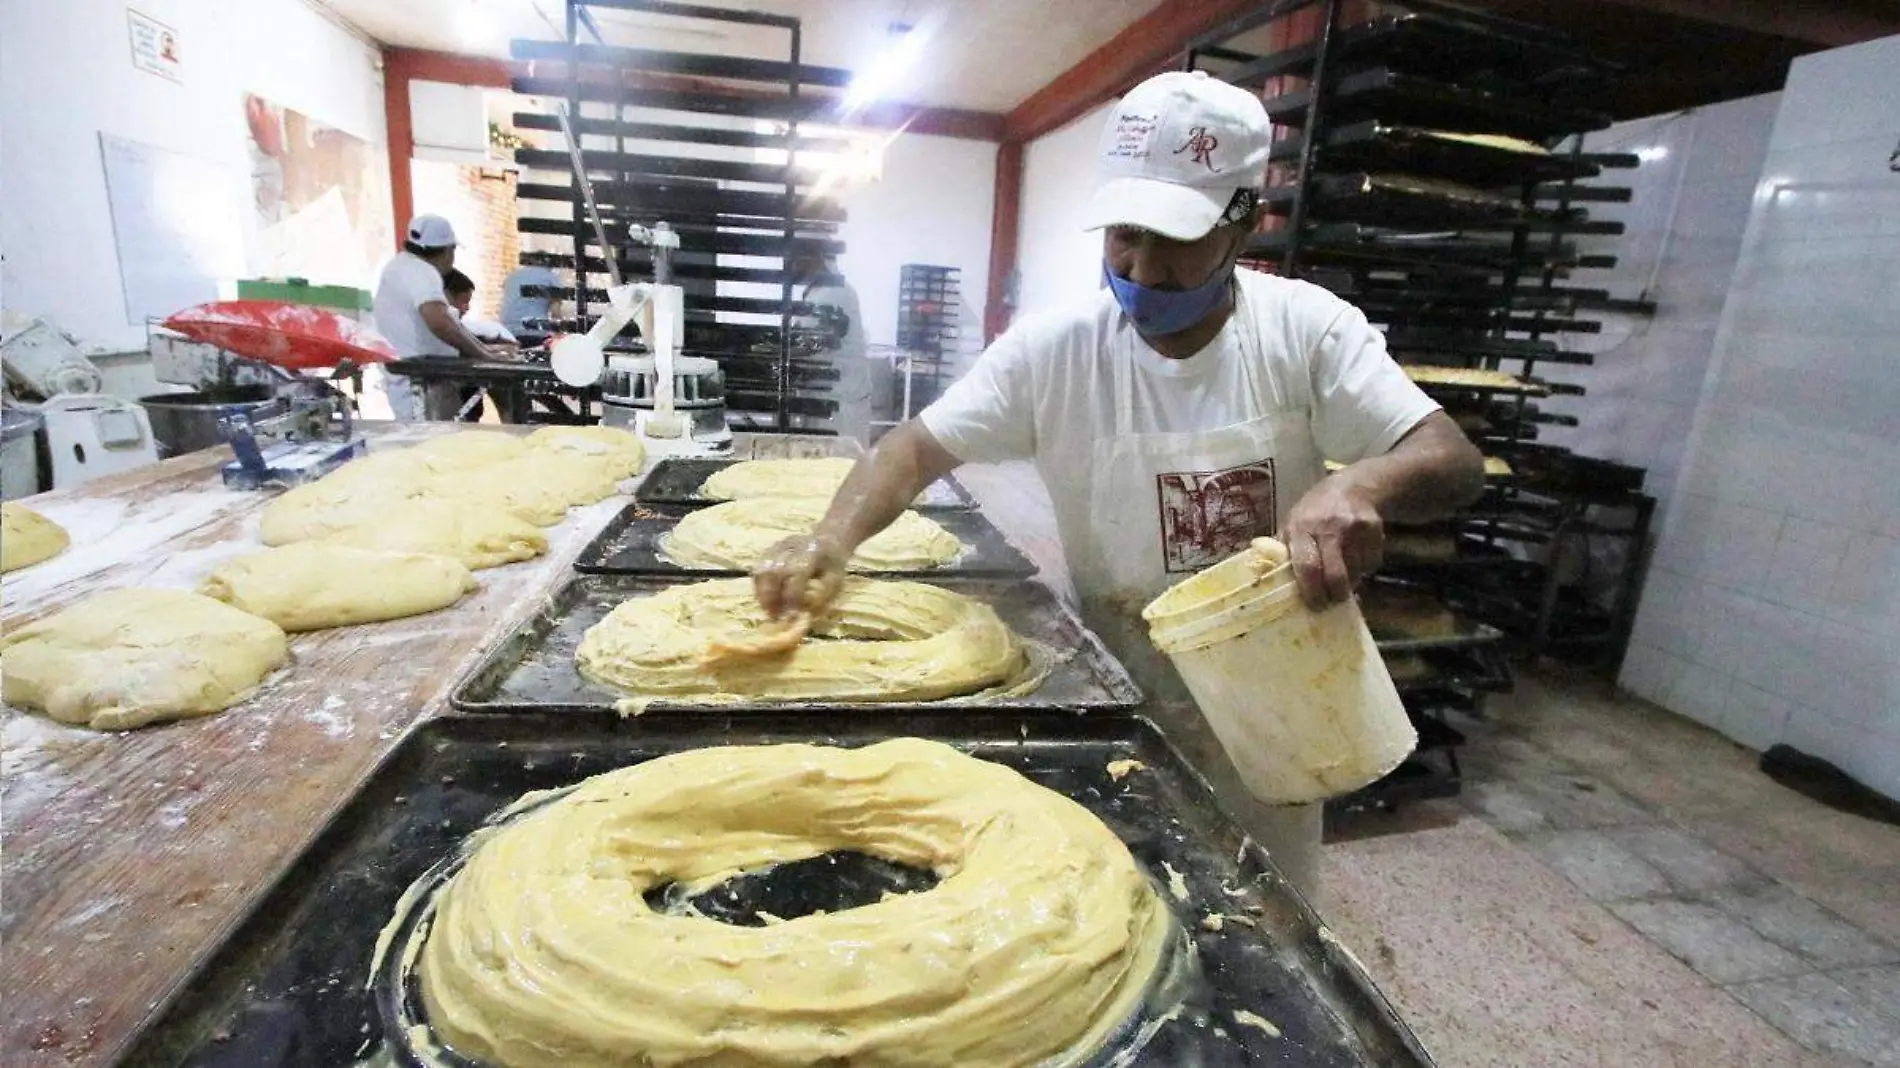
(1177, 154)
(431, 231)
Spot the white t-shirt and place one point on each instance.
(407, 283)
(1045, 390)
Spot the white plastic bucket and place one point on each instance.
(1301, 700)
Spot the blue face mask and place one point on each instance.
(1166, 311)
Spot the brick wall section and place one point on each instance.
(493, 189)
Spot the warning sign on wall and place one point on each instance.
(154, 46)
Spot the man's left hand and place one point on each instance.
(1336, 537)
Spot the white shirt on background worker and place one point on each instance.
(407, 283)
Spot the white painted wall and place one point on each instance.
(1772, 611)
(933, 205)
(66, 75)
(1058, 261)
(1684, 222)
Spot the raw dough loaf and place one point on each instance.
(478, 535)
(1041, 937)
(27, 537)
(879, 641)
(361, 491)
(816, 476)
(128, 658)
(737, 535)
(471, 448)
(311, 585)
(623, 450)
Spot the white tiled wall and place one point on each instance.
(1688, 208)
(1772, 611)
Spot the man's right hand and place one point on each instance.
(803, 573)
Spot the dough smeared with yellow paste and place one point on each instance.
(814, 476)
(879, 641)
(625, 453)
(1041, 935)
(27, 537)
(736, 535)
(128, 658)
(476, 535)
(313, 585)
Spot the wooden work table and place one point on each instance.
(126, 859)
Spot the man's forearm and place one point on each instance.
(1432, 472)
(883, 484)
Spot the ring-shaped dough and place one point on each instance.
(879, 641)
(737, 535)
(811, 476)
(1041, 935)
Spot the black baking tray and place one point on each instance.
(1406, 201)
(289, 987)
(629, 545)
(1378, 146)
(532, 670)
(1398, 97)
(676, 480)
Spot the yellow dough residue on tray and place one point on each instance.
(126, 658)
(27, 537)
(738, 534)
(879, 641)
(814, 476)
(1474, 377)
(1042, 934)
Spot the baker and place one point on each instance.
(412, 311)
(1176, 415)
(833, 302)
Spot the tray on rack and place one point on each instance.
(532, 670)
(1404, 201)
(1395, 96)
(676, 480)
(1379, 147)
(289, 988)
(630, 545)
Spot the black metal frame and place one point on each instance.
(647, 188)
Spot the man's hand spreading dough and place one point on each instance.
(801, 574)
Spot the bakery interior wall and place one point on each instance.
(66, 77)
(1772, 606)
(1059, 262)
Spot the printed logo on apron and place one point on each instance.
(1208, 516)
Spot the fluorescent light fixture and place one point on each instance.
(885, 71)
(1651, 153)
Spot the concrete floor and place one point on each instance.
(1617, 886)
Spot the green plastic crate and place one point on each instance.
(300, 291)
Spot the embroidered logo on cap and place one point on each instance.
(1133, 131)
(1202, 144)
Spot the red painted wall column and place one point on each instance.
(1005, 228)
(402, 66)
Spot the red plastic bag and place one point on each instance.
(295, 337)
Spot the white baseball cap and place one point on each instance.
(431, 231)
(1175, 151)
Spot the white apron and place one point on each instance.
(1163, 506)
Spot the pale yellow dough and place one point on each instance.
(880, 641)
(478, 535)
(128, 658)
(623, 449)
(361, 491)
(313, 585)
(27, 537)
(1042, 934)
(737, 535)
(471, 448)
(539, 485)
(815, 476)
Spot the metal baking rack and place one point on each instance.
(646, 120)
(1461, 251)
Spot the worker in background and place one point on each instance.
(1179, 413)
(523, 313)
(412, 311)
(461, 293)
(833, 306)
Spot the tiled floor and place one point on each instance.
(1617, 887)
(1621, 887)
